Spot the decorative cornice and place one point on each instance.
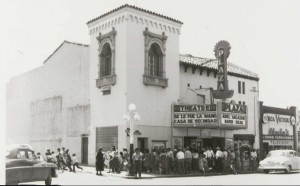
(137, 8)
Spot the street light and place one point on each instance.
(130, 116)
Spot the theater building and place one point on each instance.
(78, 97)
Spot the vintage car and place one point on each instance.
(285, 160)
(23, 166)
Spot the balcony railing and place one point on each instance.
(156, 81)
(107, 80)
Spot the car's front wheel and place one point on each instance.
(288, 169)
(266, 171)
(48, 181)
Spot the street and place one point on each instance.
(88, 177)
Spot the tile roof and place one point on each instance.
(213, 64)
(73, 43)
(137, 8)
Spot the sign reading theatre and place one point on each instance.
(195, 115)
(220, 115)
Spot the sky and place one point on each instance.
(264, 36)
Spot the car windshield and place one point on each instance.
(276, 154)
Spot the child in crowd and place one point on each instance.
(202, 164)
(75, 163)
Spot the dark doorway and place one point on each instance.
(142, 144)
(218, 142)
(84, 150)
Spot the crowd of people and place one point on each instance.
(178, 161)
(62, 158)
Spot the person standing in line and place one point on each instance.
(188, 160)
(195, 160)
(202, 164)
(180, 158)
(99, 162)
(209, 155)
(69, 160)
(225, 160)
(237, 159)
(75, 163)
(253, 156)
(137, 158)
(242, 156)
(162, 161)
(175, 162)
(125, 160)
(152, 160)
(219, 159)
(147, 160)
(170, 158)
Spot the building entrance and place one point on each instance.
(198, 143)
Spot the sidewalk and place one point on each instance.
(123, 174)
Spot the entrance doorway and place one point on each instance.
(84, 150)
(198, 143)
(142, 144)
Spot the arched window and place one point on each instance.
(105, 60)
(155, 61)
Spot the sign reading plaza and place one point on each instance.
(218, 115)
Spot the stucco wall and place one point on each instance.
(196, 80)
(41, 99)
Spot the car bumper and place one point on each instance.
(282, 167)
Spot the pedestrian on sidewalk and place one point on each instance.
(170, 158)
(162, 161)
(147, 160)
(253, 156)
(68, 160)
(188, 160)
(219, 160)
(180, 158)
(75, 163)
(209, 155)
(137, 158)
(237, 159)
(195, 160)
(152, 160)
(175, 162)
(99, 162)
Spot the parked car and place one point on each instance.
(285, 160)
(23, 166)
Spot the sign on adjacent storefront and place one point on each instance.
(220, 115)
(277, 130)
